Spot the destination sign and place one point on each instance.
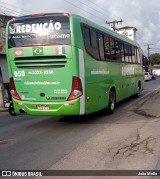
(18, 28)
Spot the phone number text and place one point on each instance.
(41, 72)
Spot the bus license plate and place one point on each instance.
(43, 107)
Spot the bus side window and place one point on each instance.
(86, 36)
(112, 49)
(107, 47)
(126, 52)
(123, 52)
(94, 44)
(133, 54)
(136, 58)
(130, 53)
(138, 55)
(101, 46)
(118, 47)
(141, 54)
(91, 41)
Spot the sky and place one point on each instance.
(142, 14)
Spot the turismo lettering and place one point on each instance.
(35, 28)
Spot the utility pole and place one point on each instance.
(114, 24)
(148, 48)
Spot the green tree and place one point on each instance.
(154, 59)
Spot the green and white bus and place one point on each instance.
(64, 64)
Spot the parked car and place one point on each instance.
(147, 76)
(153, 76)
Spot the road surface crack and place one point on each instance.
(7, 142)
(134, 146)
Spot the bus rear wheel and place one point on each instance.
(11, 110)
(112, 103)
(137, 95)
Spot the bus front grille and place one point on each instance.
(40, 62)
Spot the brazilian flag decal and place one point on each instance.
(37, 51)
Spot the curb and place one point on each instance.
(143, 99)
(3, 109)
(140, 106)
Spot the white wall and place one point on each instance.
(130, 33)
(1, 96)
(5, 78)
(4, 69)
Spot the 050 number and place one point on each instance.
(19, 73)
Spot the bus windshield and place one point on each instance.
(45, 30)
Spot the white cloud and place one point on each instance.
(147, 35)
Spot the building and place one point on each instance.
(128, 31)
(4, 79)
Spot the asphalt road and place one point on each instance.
(37, 143)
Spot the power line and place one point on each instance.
(115, 17)
(2, 12)
(148, 48)
(10, 11)
(99, 12)
(84, 10)
(91, 8)
(15, 7)
(6, 10)
(139, 34)
(114, 24)
(104, 14)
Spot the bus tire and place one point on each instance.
(112, 102)
(11, 109)
(137, 95)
